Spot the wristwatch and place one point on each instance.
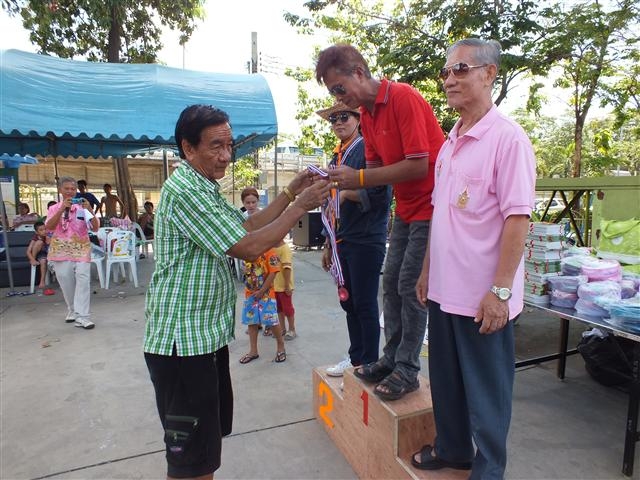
(503, 293)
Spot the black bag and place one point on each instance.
(608, 360)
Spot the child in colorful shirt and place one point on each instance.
(260, 303)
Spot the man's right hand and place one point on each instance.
(313, 196)
(422, 287)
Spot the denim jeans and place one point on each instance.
(361, 265)
(405, 320)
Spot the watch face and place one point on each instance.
(502, 293)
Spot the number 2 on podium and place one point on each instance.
(327, 407)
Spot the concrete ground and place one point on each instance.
(78, 404)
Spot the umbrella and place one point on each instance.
(11, 161)
(14, 161)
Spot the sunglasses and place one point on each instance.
(337, 90)
(343, 117)
(459, 70)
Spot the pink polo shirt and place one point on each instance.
(481, 178)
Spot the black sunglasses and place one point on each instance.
(337, 90)
(459, 70)
(343, 117)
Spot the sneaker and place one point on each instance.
(290, 335)
(338, 369)
(70, 318)
(84, 323)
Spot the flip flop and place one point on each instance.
(280, 357)
(247, 357)
(49, 291)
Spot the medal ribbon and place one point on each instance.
(331, 210)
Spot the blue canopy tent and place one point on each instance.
(54, 106)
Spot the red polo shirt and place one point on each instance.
(403, 126)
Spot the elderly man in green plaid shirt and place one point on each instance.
(191, 297)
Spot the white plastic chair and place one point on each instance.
(34, 269)
(121, 248)
(97, 258)
(25, 227)
(141, 242)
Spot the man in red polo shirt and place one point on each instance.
(402, 139)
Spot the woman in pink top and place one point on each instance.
(70, 251)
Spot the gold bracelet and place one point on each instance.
(289, 194)
(362, 177)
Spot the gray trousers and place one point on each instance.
(471, 378)
(405, 320)
(75, 281)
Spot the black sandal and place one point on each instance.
(396, 386)
(429, 461)
(373, 372)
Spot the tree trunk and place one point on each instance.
(577, 154)
(125, 190)
(113, 48)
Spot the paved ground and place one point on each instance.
(79, 404)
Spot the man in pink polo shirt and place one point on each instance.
(402, 138)
(472, 273)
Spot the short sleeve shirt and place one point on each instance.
(286, 262)
(403, 126)
(256, 272)
(70, 239)
(191, 296)
(482, 177)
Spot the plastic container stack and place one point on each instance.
(564, 290)
(542, 254)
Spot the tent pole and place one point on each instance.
(5, 228)
(165, 164)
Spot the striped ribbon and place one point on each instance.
(331, 206)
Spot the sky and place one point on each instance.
(222, 44)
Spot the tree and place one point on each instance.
(407, 42)
(105, 30)
(593, 43)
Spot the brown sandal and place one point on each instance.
(247, 357)
(395, 387)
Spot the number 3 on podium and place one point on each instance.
(325, 407)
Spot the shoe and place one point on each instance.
(290, 335)
(429, 461)
(338, 369)
(70, 318)
(84, 323)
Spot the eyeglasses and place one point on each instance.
(343, 117)
(459, 70)
(337, 90)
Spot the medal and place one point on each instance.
(463, 198)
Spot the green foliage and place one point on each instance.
(593, 43)
(105, 30)
(604, 148)
(245, 172)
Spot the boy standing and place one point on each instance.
(283, 286)
(260, 303)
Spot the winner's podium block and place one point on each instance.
(377, 437)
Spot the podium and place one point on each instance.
(377, 437)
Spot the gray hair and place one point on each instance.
(484, 51)
(63, 180)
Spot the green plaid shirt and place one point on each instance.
(191, 296)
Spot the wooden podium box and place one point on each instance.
(377, 437)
